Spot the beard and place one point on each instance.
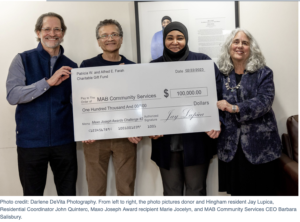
(52, 45)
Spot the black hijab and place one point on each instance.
(168, 55)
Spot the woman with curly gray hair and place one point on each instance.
(249, 142)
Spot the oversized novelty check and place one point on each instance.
(144, 99)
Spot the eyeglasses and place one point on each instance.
(55, 30)
(105, 36)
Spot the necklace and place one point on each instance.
(232, 88)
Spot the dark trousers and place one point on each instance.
(193, 177)
(33, 165)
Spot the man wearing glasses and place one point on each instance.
(109, 35)
(38, 83)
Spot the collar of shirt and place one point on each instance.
(53, 60)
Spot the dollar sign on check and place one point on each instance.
(166, 93)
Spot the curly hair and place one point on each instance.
(255, 61)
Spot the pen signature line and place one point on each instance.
(186, 118)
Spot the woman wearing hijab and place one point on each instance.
(249, 143)
(183, 159)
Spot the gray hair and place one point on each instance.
(39, 22)
(255, 61)
(108, 22)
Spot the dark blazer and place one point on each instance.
(255, 125)
(198, 148)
